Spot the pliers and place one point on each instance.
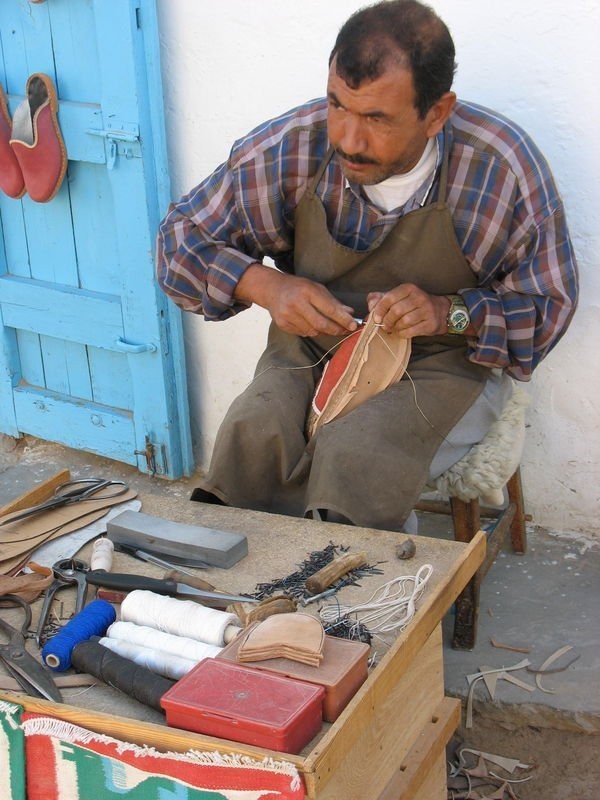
(33, 677)
(67, 572)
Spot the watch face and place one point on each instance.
(459, 320)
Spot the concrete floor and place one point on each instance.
(538, 602)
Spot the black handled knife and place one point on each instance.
(127, 582)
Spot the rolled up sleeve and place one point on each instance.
(522, 314)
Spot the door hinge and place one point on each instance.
(126, 133)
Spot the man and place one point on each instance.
(389, 197)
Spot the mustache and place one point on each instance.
(356, 159)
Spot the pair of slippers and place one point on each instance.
(33, 157)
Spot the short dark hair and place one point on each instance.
(402, 31)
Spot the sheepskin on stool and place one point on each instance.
(486, 468)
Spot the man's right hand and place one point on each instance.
(296, 305)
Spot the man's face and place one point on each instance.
(376, 129)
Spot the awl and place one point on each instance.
(127, 582)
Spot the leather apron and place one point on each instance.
(372, 464)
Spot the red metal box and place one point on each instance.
(234, 702)
(342, 671)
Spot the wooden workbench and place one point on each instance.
(389, 742)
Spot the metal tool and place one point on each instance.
(306, 601)
(67, 572)
(112, 580)
(73, 492)
(151, 557)
(31, 675)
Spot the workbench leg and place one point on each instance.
(467, 521)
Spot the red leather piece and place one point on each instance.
(12, 182)
(43, 163)
(334, 369)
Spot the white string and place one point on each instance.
(308, 366)
(390, 608)
(179, 617)
(102, 554)
(159, 640)
(414, 388)
(162, 663)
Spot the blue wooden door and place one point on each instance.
(91, 353)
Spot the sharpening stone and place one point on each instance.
(218, 548)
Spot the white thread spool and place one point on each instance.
(102, 554)
(180, 617)
(145, 636)
(162, 663)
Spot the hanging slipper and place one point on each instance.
(12, 182)
(37, 141)
(365, 363)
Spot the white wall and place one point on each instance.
(229, 65)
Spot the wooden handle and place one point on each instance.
(181, 577)
(325, 577)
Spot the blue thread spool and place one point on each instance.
(94, 620)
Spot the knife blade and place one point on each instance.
(127, 582)
(175, 562)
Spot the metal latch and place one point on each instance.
(115, 132)
(148, 453)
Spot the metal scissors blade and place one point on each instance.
(32, 676)
(70, 492)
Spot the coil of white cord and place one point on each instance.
(390, 608)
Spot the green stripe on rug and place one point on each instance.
(12, 752)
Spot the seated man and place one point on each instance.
(389, 197)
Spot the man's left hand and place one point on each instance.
(410, 311)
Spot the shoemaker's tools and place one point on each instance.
(73, 492)
(151, 557)
(29, 673)
(94, 620)
(324, 578)
(113, 580)
(67, 572)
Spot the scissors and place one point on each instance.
(33, 677)
(73, 492)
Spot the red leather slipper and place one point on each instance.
(12, 182)
(37, 141)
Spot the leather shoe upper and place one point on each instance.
(12, 182)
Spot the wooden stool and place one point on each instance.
(467, 488)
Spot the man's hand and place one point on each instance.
(297, 305)
(410, 311)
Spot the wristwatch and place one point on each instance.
(458, 319)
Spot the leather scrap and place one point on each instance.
(28, 586)
(299, 637)
(21, 538)
(475, 677)
(545, 667)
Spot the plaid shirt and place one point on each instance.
(508, 218)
